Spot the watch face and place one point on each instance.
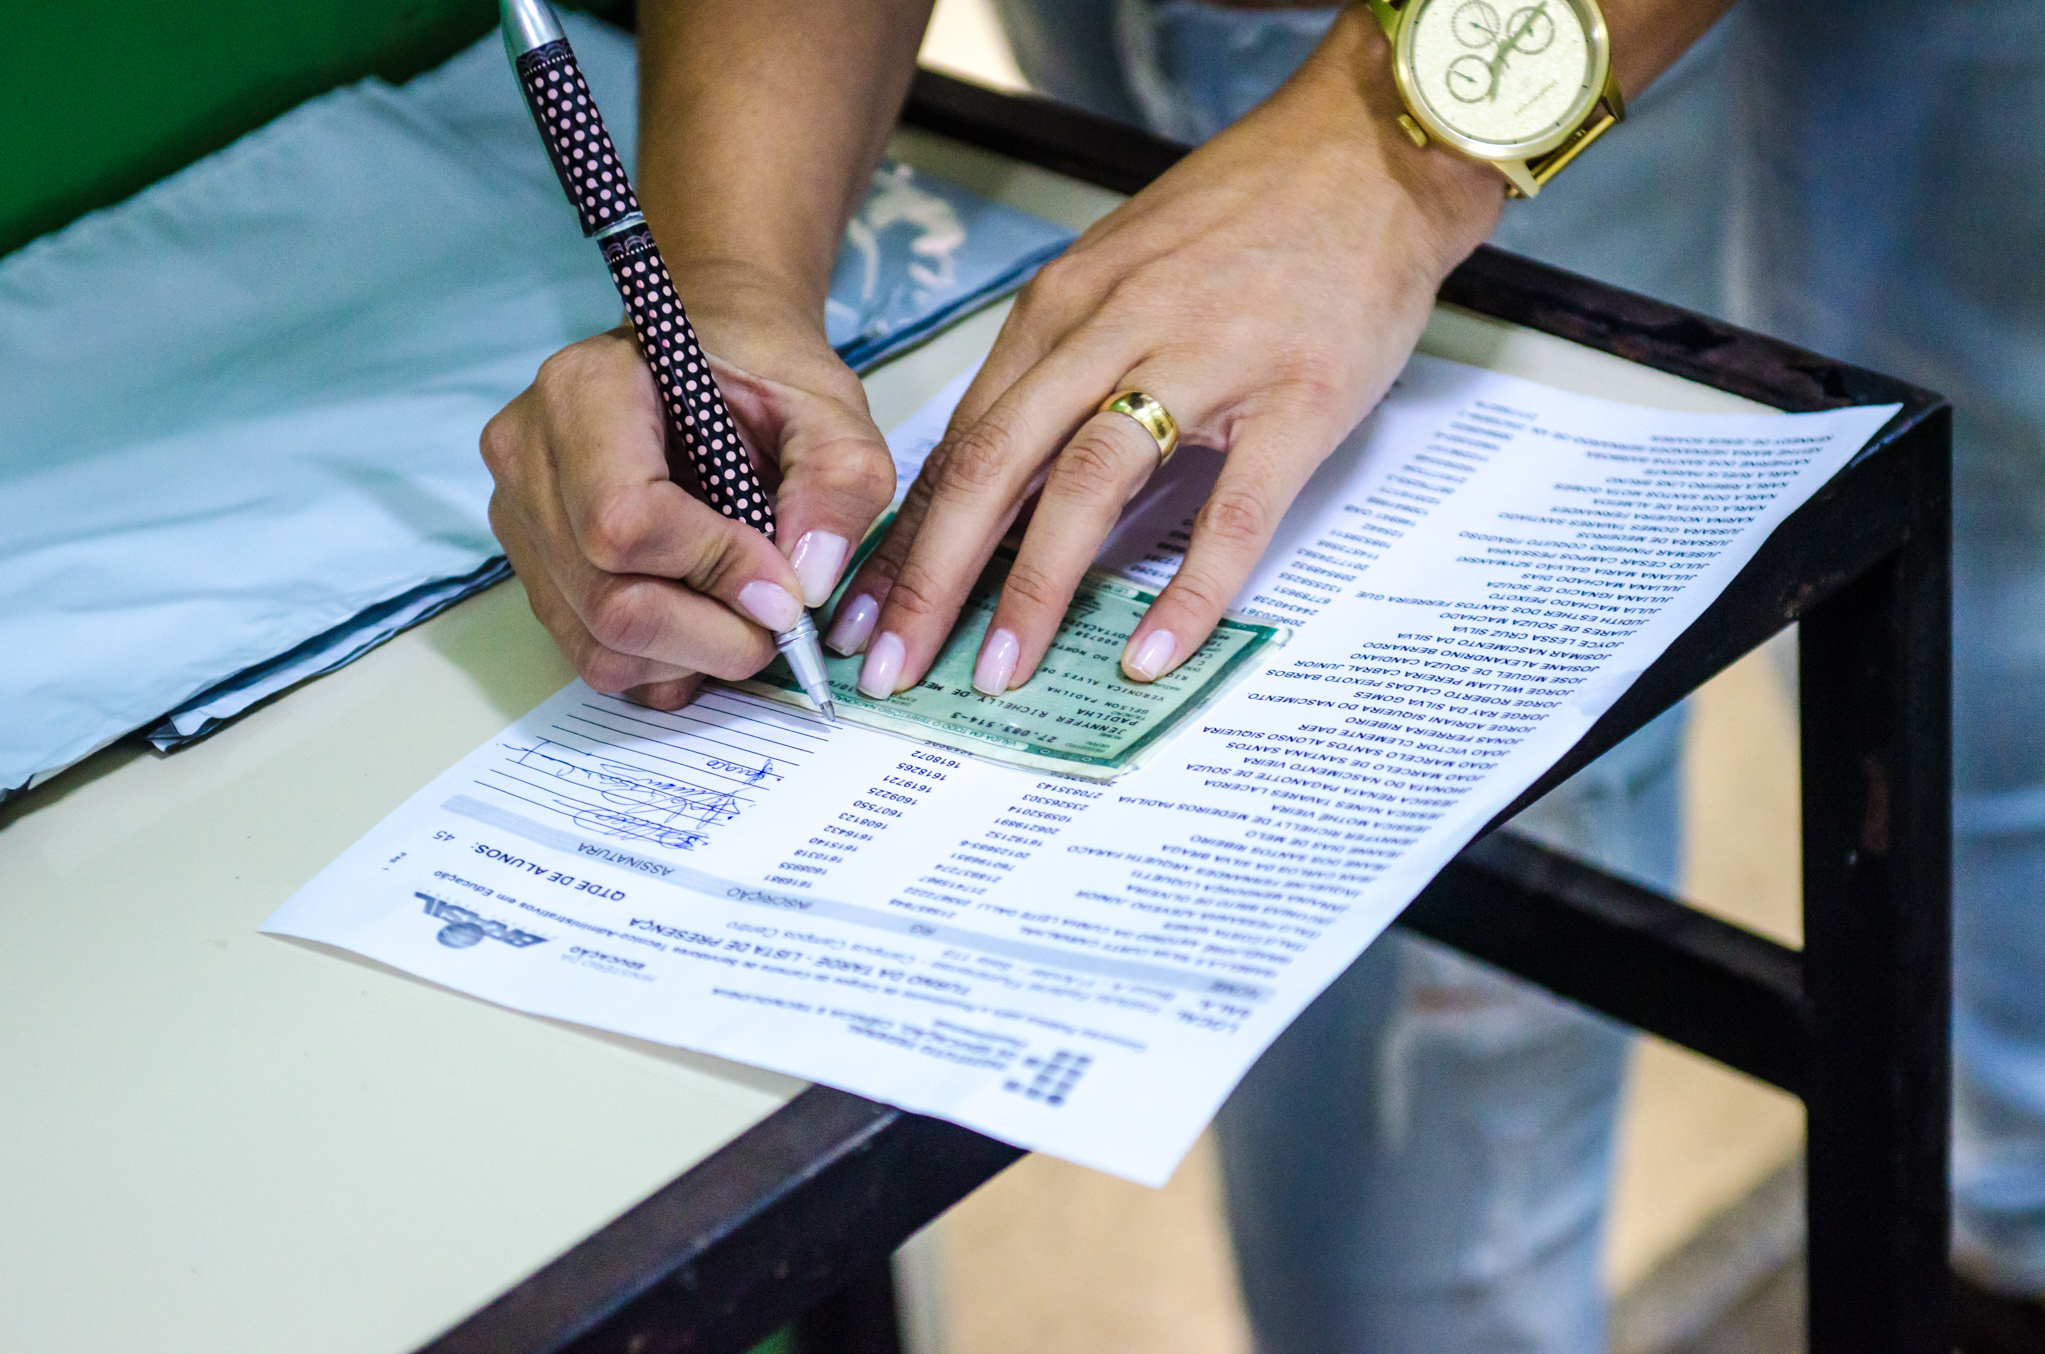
(1502, 75)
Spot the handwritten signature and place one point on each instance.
(754, 774)
(634, 828)
(642, 806)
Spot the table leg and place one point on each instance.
(860, 1318)
(1876, 741)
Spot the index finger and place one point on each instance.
(836, 473)
(836, 478)
(1050, 305)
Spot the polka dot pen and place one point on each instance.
(594, 178)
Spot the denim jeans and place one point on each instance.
(1889, 208)
(1421, 1162)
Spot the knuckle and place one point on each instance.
(713, 555)
(1035, 588)
(915, 592)
(1138, 288)
(565, 369)
(620, 619)
(1235, 517)
(1312, 375)
(665, 695)
(976, 459)
(499, 442)
(915, 505)
(1066, 281)
(568, 375)
(1169, 292)
(550, 621)
(876, 577)
(1197, 593)
(500, 517)
(612, 530)
(607, 671)
(739, 662)
(1092, 465)
(865, 477)
(559, 372)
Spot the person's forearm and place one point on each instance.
(760, 122)
(1648, 35)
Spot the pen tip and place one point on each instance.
(829, 709)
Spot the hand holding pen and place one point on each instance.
(620, 563)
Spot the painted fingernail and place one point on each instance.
(1147, 660)
(817, 558)
(854, 624)
(770, 604)
(883, 665)
(997, 663)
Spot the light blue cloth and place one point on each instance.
(239, 412)
(323, 653)
(1861, 177)
(919, 254)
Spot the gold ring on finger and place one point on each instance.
(1154, 418)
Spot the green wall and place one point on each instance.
(101, 97)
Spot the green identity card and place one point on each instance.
(1078, 716)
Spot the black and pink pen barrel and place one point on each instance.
(591, 173)
(594, 178)
(723, 469)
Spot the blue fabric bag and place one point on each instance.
(239, 412)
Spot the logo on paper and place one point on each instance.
(1049, 1079)
(465, 928)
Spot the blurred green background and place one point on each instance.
(101, 97)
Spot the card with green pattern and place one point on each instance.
(1078, 715)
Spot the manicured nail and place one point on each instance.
(883, 665)
(854, 624)
(770, 604)
(817, 558)
(997, 663)
(1147, 660)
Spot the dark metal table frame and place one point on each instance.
(794, 1220)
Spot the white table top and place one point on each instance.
(214, 1140)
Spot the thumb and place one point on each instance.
(738, 565)
(836, 473)
(837, 478)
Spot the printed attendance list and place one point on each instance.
(1079, 967)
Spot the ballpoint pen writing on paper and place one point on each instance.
(594, 178)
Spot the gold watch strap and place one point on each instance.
(1606, 113)
(1387, 13)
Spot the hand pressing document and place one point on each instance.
(1072, 917)
(1079, 716)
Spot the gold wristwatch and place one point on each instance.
(1523, 86)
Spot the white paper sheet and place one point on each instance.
(1473, 578)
